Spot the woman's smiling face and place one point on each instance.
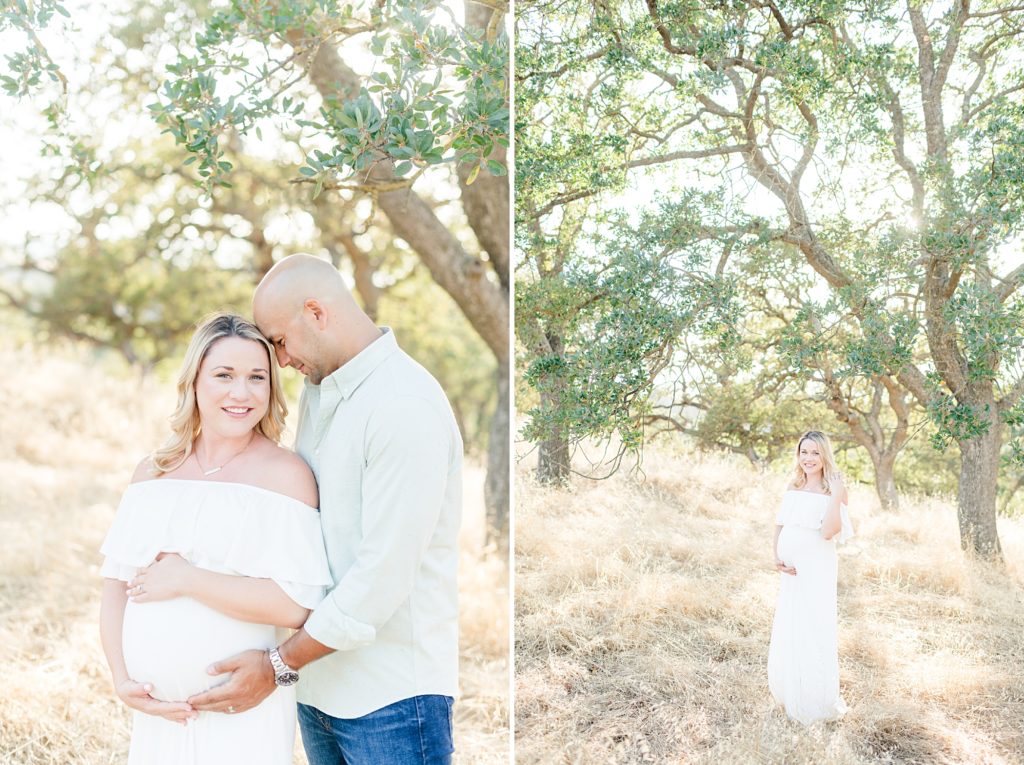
(810, 457)
(233, 387)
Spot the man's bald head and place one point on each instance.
(305, 309)
(295, 279)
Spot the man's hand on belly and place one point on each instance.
(252, 680)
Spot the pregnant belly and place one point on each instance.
(797, 544)
(171, 643)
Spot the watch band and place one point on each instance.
(283, 674)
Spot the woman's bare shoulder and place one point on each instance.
(144, 470)
(285, 472)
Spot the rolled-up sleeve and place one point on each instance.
(408, 457)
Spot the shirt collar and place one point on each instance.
(350, 375)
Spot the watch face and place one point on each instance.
(287, 677)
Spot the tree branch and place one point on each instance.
(1010, 283)
(572, 196)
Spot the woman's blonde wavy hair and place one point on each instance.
(830, 474)
(185, 425)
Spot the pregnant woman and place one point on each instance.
(215, 546)
(803, 658)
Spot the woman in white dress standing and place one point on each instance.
(803, 658)
(215, 546)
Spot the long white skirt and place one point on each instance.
(803, 658)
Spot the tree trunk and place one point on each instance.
(463, 276)
(976, 497)
(486, 203)
(553, 464)
(496, 487)
(486, 200)
(885, 482)
(553, 451)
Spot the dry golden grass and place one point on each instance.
(644, 608)
(70, 434)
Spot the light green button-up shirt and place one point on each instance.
(381, 439)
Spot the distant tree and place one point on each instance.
(759, 418)
(777, 384)
(824, 346)
(599, 317)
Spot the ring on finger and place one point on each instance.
(231, 710)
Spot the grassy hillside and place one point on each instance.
(644, 609)
(70, 434)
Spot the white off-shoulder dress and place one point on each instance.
(803, 658)
(230, 528)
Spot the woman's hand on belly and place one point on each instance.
(136, 695)
(169, 576)
(782, 568)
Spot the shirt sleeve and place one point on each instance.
(408, 458)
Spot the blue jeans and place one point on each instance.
(416, 731)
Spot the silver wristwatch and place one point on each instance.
(283, 674)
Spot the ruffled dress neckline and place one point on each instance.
(221, 526)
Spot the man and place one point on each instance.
(378, 658)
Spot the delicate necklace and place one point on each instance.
(220, 467)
